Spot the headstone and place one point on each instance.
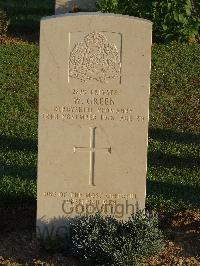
(93, 116)
(64, 6)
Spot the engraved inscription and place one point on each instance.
(92, 149)
(117, 205)
(90, 104)
(90, 195)
(94, 59)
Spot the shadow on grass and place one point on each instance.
(172, 136)
(160, 159)
(25, 172)
(186, 194)
(25, 15)
(17, 144)
(17, 215)
(13, 143)
(178, 193)
(169, 161)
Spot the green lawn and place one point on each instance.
(18, 125)
(174, 143)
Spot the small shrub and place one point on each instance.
(3, 22)
(106, 241)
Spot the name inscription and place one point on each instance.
(94, 105)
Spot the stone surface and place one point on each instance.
(93, 115)
(63, 6)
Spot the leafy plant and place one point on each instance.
(108, 6)
(175, 20)
(172, 19)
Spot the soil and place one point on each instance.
(21, 39)
(11, 40)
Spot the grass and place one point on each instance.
(174, 143)
(173, 155)
(18, 130)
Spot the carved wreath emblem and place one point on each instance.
(94, 59)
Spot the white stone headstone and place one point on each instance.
(93, 115)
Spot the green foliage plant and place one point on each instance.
(172, 19)
(108, 6)
(175, 20)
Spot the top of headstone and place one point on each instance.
(96, 14)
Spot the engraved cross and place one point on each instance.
(92, 149)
